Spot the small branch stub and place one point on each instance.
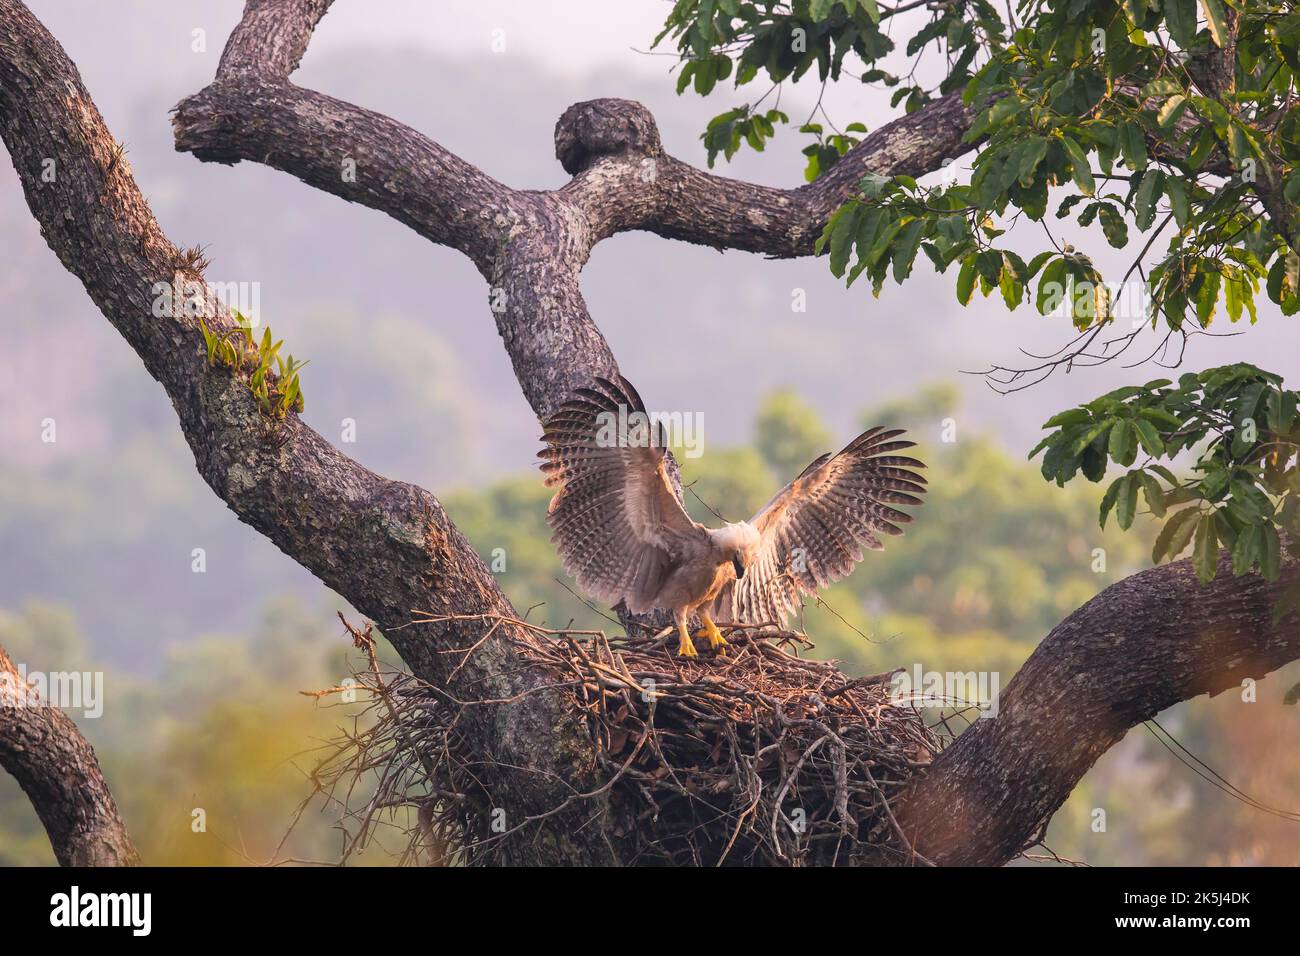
(604, 127)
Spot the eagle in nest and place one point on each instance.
(623, 535)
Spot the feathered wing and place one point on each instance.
(618, 526)
(814, 530)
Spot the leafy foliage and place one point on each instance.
(1158, 113)
(782, 42)
(726, 131)
(1240, 425)
(1150, 119)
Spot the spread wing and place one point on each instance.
(814, 530)
(618, 526)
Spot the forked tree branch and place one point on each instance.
(530, 246)
(623, 180)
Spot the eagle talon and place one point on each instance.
(684, 647)
(717, 642)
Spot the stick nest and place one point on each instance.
(759, 757)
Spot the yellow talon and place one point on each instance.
(716, 640)
(684, 647)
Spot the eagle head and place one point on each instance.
(738, 542)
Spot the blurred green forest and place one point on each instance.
(996, 557)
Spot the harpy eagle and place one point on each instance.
(624, 536)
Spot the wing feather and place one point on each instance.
(614, 518)
(814, 530)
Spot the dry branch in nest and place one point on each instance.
(759, 757)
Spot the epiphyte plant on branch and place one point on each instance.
(272, 379)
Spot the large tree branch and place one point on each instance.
(356, 154)
(386, 546)
(1144, 644)
(44, 751)
(531, 246)
(623, 180)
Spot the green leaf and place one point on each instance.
(1031, 153)
(1123, 442)
(1270, 554)
(1071, 416)
(966, 280)
(1160, 416)
(1050, 439)
(1175, 534)
(905, 249)
(1205, 549)
(1253, 501)
(1113, 226)
(1162, 85)
(1148, 194)
(1149, 437)
(1108, 500)
(1215, 21)
(843, 229)
(1180, 15)
(1176, 189)
(1013, 291)
(1080, 168)
(1126, 503)
(1241, 145)
(1153, 493)
(1232, 297)
(1133, 145)
(1038, 262)
(1245, 550)
(1090, 435)
(1207, 298)
(1171, 109)
(1052, 286)
(1215, 480)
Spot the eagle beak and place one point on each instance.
(740, 568)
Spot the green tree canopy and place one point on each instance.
(1167, 125)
